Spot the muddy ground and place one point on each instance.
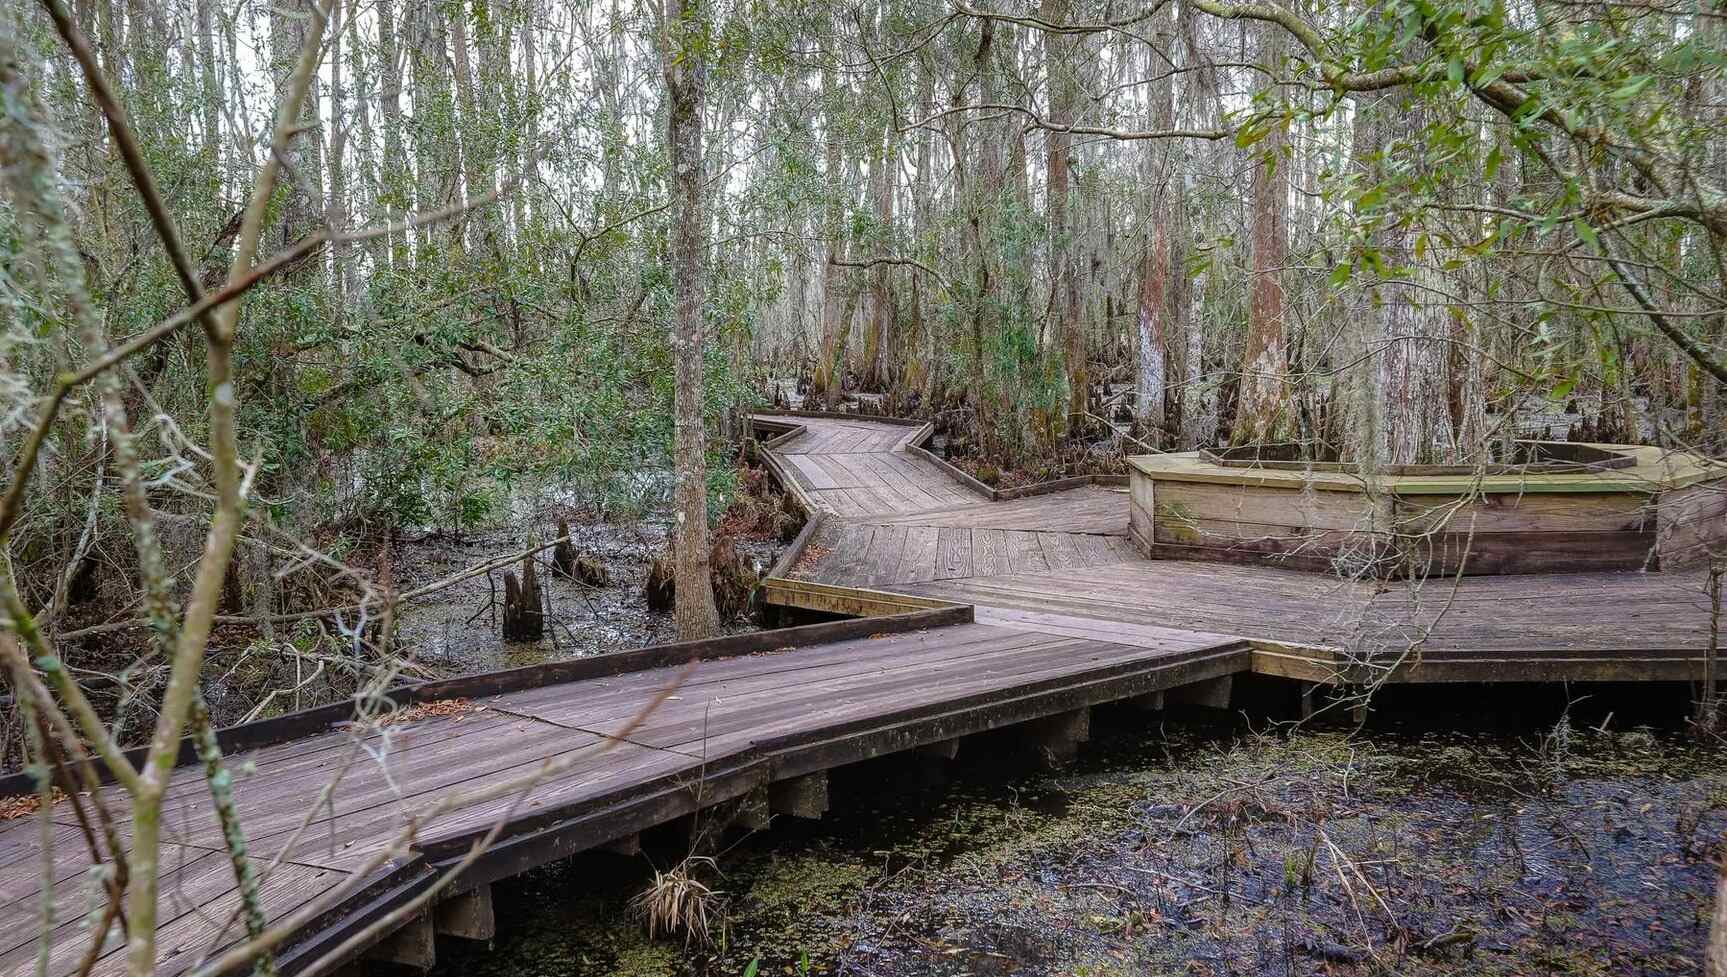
(1199, 845)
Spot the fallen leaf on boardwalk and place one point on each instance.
(24, 805)
(437, 709)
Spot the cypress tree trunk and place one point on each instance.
(436, 152)
(1261, 412)
(474, 137)
(830, 368)
(1361, 387)
(1415, 382)
(1152, 330)
(210, 88)
(878, 333)
(686, 77)
(394, 177)
(1064, 277)
(339, 205)
(303, 180)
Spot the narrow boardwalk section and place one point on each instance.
(782, 708)
(1020, 611)
(862, 468)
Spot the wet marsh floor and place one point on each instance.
(1196, 844)
(457, 630)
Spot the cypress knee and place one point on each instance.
(523, 620)
(563, 554)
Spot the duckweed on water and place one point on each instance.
(1211, 852)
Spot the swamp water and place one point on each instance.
(1190, 845)
(456, 631)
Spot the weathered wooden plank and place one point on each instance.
(1524, 513)
(1543, 552)
(1205, 503)
(922, 549)
(1691, 524)
(1655, 468)
(954, 551)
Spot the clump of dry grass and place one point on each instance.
(678, 902)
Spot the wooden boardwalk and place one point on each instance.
(1061, 557)
(1022, 611)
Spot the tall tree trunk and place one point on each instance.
(830, 368)
(241, 159)
(1064, 276)
(475, 137)
(1153, 332)
(915, 375)
(393, 176)
(1151, 338)
(303, 164)
(339, 205)
(1710, 26)
(683, 53)
(1415, 413)
(979, 196)
(1361, 388)
(1262, 404)
(210, 90)
(1200, 107)
(437, 157)
(364, 201)
(879, 331)
(527, 118)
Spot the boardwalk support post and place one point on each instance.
(413, 946)
(468, 915)
(1057, 737)
(754, 810)
(627, 845)
(705, 828)
(801, 797)
(944, 749)
(1213, 693)
(1358, 708)
(1149, 702)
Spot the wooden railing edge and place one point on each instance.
(838, 415)
(953, 471)
(813, 523)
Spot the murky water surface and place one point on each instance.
(457, 630)
(1187, 849)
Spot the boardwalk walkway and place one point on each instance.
(1060, 561)
(1015, 611)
